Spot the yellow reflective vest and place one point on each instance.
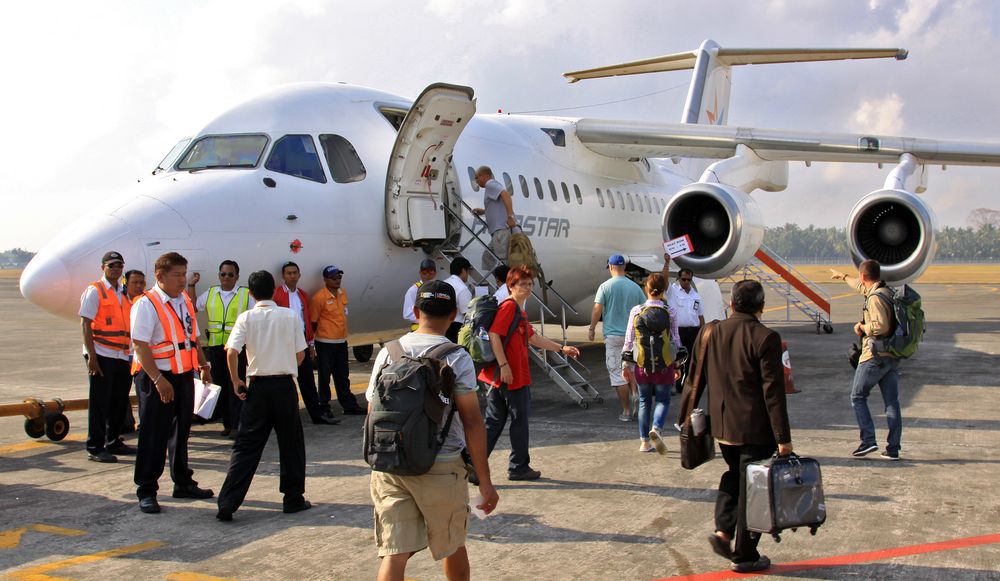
(221, 318)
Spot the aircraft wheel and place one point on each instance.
(34, 428)
(599, 399)
(827, 328)
(56, 427)
(363, 353)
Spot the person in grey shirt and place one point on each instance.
(498, 213)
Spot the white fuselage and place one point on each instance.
(215, 214)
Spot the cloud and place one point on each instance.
(883, 116)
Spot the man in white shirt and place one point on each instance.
(459, 270)
(428, 272)
(690, 314)
(165, 337)
(104, 317)
(275, 345)
(500, 275)
(223, 303)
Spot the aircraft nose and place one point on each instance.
(46, 283)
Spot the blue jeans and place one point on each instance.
(883, 372)
(647, 393)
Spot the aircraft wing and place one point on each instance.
(635, 139)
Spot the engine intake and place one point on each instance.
(896, 228)
(724, 225)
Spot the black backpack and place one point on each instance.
(406, 426)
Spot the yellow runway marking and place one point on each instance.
(12, 538)
(38, 572)
(32, 444)
(188, 576)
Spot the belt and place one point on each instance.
(279, 376)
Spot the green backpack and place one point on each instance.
(908, 317)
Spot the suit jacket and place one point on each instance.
(281, 299)
(746, 382)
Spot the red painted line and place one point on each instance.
(843, 560)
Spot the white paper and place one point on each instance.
(482, 291)
(205, 398)
(474, 503)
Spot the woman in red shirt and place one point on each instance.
(509, 378)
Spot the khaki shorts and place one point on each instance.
(426, 511)
(613, 345)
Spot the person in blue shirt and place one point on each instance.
(614, 300)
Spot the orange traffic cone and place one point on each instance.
(787, 363)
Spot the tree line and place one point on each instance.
(15, 258)
(794, 242)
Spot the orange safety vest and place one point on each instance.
(176, 348)
(110, 326)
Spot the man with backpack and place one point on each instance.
(876, 365)
(413, 441)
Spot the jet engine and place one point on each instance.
(724, 225)
(896, 228)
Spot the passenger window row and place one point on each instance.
(639, 202)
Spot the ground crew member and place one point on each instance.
(690, 314)
(223, 303)
(165, 336)
(290, 296)
(135, 285)
(459, 269)
(104, 317)
(275, 346)
(498, 211)
(428, 272)
(328, 309)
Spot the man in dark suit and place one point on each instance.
(746, 398)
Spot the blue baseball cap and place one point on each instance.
(331, 271)
(616, 260)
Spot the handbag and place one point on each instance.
(697, 447)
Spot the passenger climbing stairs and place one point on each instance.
(566, 372)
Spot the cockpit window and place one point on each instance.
(343, 160)
(224, 151)
(295, 155)
(171, 157)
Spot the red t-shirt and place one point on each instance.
(517, 347)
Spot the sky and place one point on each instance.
(96, 93)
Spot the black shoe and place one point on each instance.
(103, 457)
(356, 412)
(750, 566)
(192, 491)
(720, 546)
(528, 474)
(225, 433)
(894, 456)
(121, 449)
(864, 450)
(149, 505)
(326, 419)
(304, 505)
(224, 515)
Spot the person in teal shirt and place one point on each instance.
(614, 300)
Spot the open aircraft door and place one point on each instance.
(415, 187)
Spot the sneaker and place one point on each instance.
(864, 450)
(625, 417)
(887, 455)
(658, 443)
(750, 566)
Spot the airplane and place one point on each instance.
(297, 174)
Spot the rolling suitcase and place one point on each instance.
(785, 492)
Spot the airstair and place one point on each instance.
(566, 372)
(798, 291)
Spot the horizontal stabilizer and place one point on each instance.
(733, 57)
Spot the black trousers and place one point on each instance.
(730, 504)
(271, 403)
(228, 407)
(307, 387)
(502, 403)
(687, 335)
(332, 360)
(164, 429)
(108, 401)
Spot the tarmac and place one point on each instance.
(602, 510)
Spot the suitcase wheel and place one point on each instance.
(812, 531)
(776, 537)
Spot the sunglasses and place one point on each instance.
(685, 280)
(227, 274)
(115, 265)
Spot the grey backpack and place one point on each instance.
(406, 427)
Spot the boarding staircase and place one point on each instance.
(799, 292)
(566, 372)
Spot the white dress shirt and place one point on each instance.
(502, 293)
(146, 323)
(687, 304)
(272, 336)
(409, 301)
(89, 303)
(462, 294)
